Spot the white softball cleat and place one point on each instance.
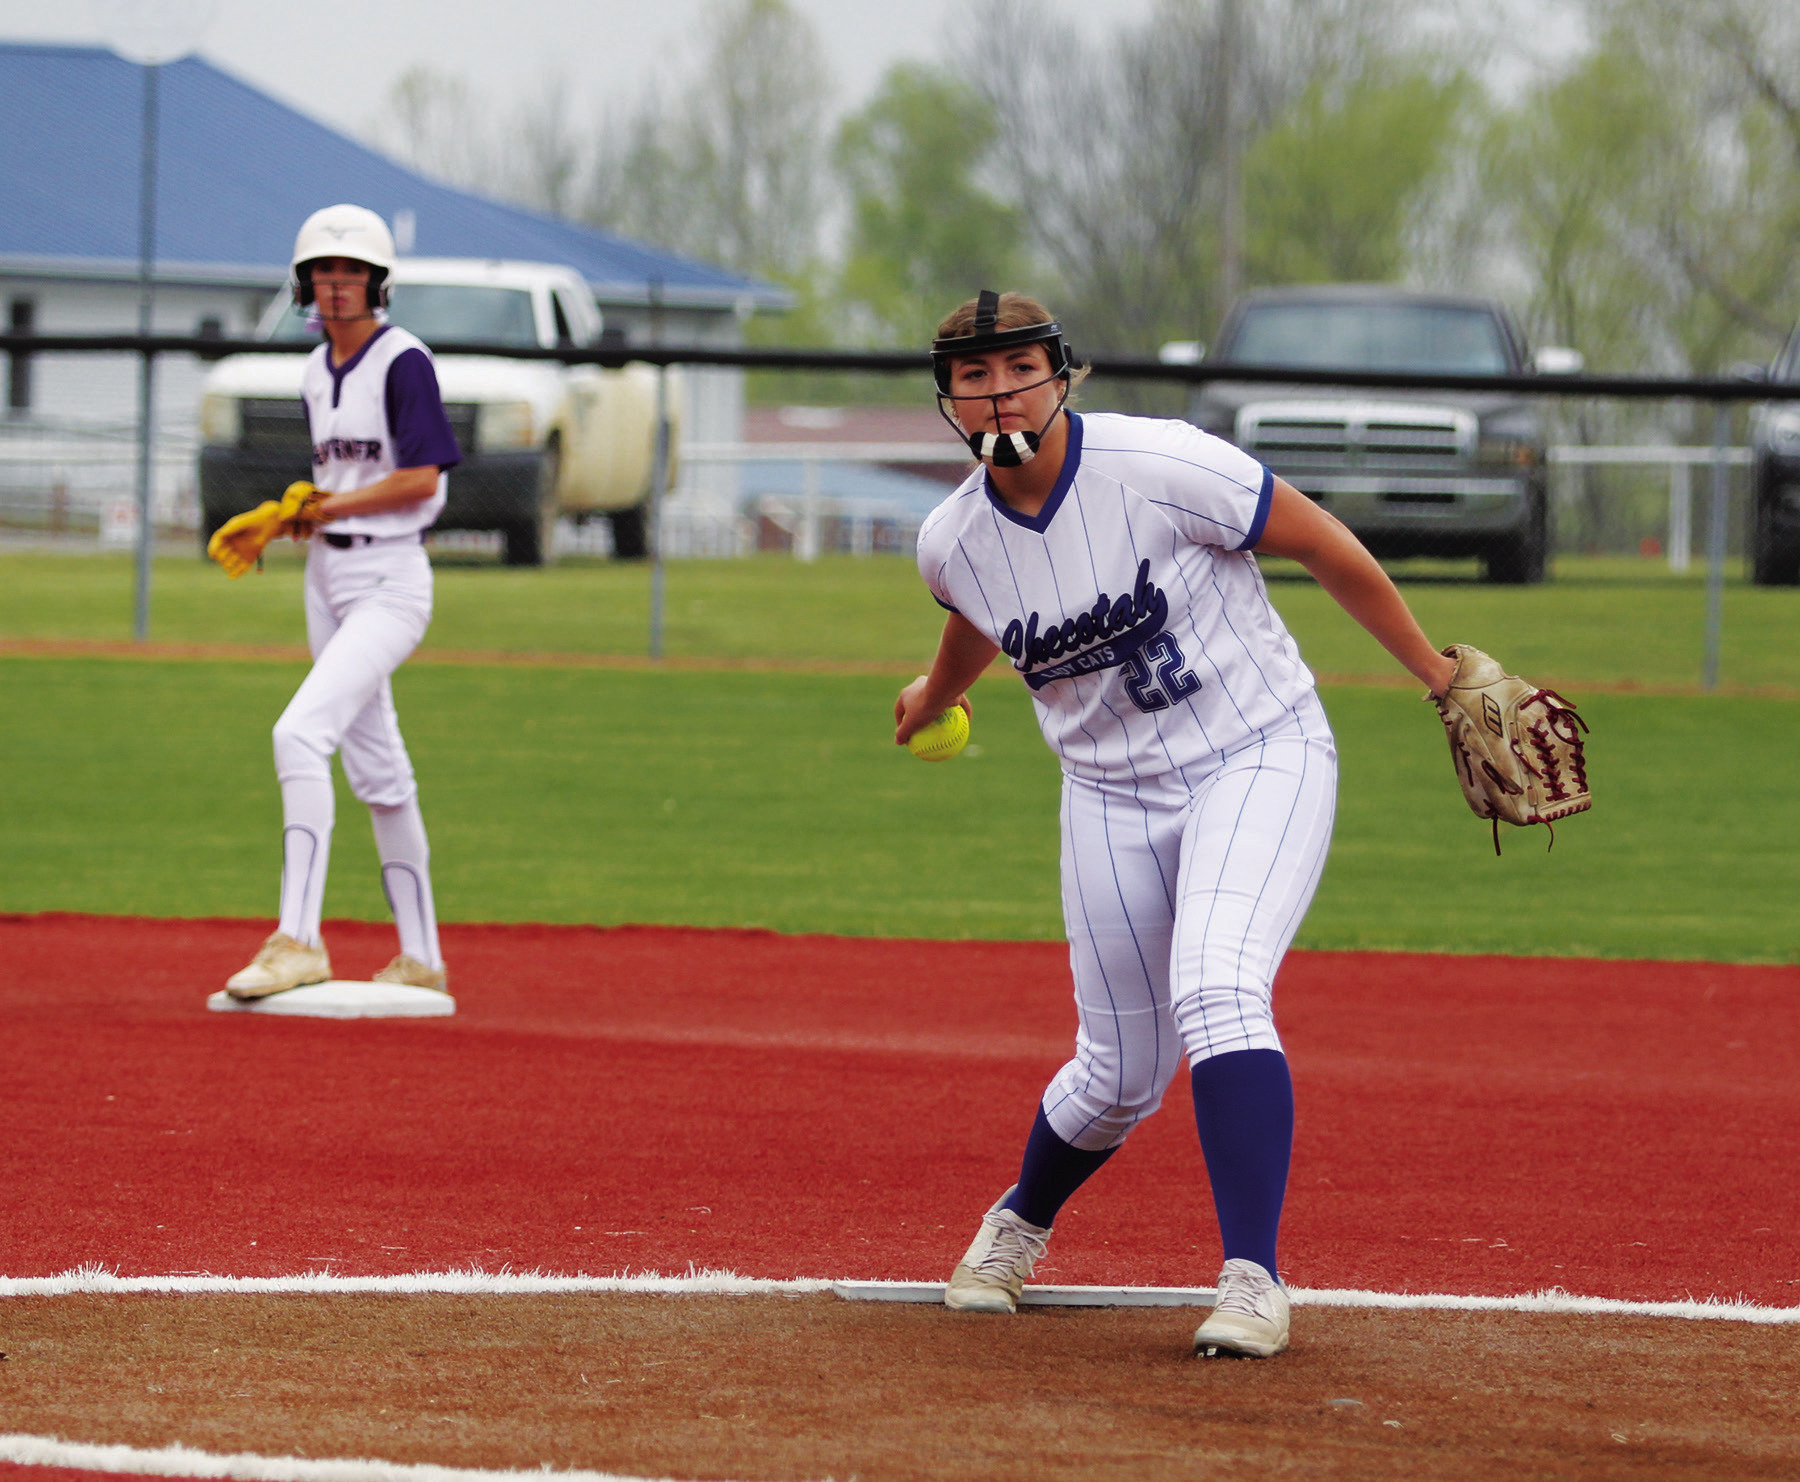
(1251, 1319)
(992, 1272)
(280, 963)
(414, 974)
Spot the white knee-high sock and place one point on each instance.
(307, 809)
(406, 877)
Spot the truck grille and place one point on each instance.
(462, 423)
(1313, 435)
(273, 425)
(278, 425)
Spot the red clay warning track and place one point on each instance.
(651, 1099)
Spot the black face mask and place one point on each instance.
(1005, 449)
(1001, 449)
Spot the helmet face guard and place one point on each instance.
(305, 294)
(1000, 449)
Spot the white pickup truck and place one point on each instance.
(540, 440)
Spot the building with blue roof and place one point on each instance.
(236, 173)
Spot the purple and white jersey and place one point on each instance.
(1131, 604)
(379, 411)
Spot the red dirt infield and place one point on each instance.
(655, 1099)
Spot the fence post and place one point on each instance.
(1681, 516)
(1715, 545)
(659, 488)
(146, 540)
(807, 545)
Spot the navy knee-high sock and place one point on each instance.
(1050, 1172)
(1244, 1107)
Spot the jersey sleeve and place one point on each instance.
(415, 414)
(1212, 492)
(936, 543)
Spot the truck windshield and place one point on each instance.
(450, 313)
(1396, 337)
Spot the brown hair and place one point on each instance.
(1017, 311)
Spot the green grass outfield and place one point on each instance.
(1610, 622)
(773, 796)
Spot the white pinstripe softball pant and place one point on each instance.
(1180, 899)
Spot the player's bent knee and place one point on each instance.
(298, 752)
(1095, 1127)
(387, 795)
(1217, 1021)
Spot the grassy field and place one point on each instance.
(745, 794)
(1613, 622)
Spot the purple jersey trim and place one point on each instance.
(338, 372)
(1264, 497)
(1040, 522)
(415, 414)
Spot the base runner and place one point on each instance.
(381, 445)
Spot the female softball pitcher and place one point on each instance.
(381, 445)
(1110, 559)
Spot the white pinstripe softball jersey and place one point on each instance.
(1130, 604)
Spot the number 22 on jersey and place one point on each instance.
(1156, 676)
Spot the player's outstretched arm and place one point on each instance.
(1298, 529)
(964, 652)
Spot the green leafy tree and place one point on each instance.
(1650, 193)
(1333, 185)
(924, 233)
(1568, 180)
(1728, 73)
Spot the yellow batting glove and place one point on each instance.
(300, 515)
(237, 545)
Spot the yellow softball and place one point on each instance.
(943, 738)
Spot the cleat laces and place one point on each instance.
(1014, 1250)
(1242, 1289)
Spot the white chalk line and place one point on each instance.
(470, 1281)
(182, 1461)
(474, 1281)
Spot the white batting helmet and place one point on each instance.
(343, 231)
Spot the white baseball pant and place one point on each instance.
(367, 608)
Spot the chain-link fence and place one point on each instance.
(1500, 473)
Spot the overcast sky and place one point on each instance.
(336, 59)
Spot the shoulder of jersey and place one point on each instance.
(405, 339)
(1107, 432)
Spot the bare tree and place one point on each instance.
(731, 165)
(1127, 159)
(434, 122)
(1648, 192)
(442, 127)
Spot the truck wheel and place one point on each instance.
(630, 532)
(1519, 559)
(1771, 563)
(532, 541)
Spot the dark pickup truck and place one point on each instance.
(1775, 457)
(1413, 473)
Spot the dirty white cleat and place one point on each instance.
(414, 974)
(992, 1272)
(281, 963)
(1251, 1319)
